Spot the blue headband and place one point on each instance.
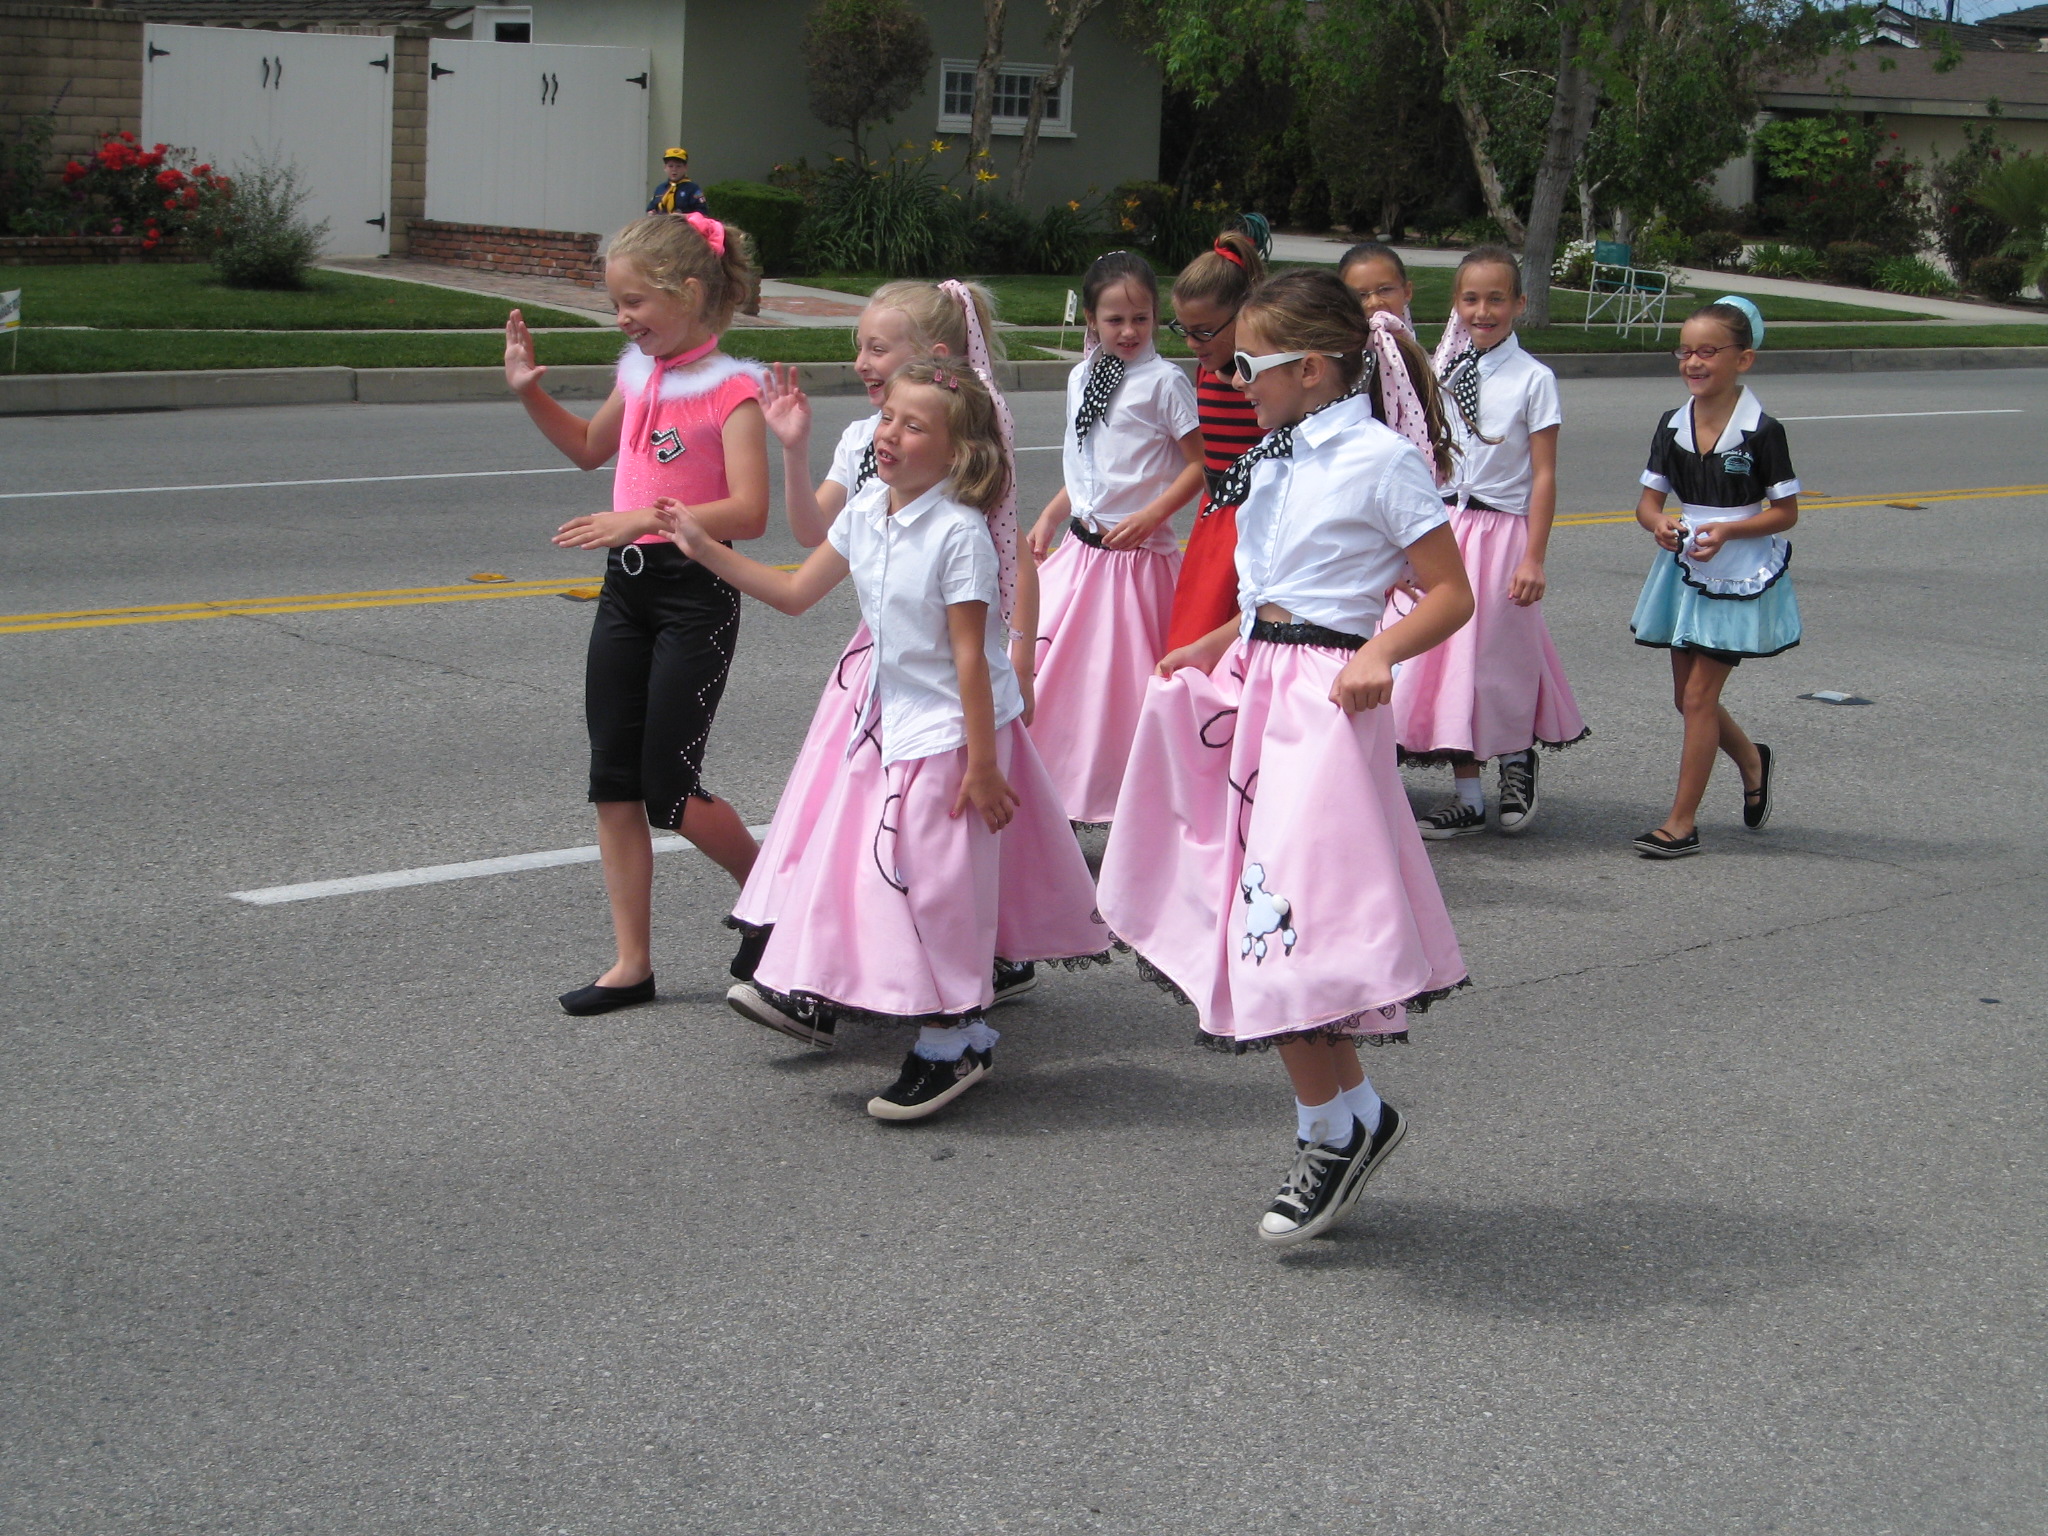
(1756, 319)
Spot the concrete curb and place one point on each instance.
(52, 394)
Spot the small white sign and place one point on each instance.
(1073, 307)
(10, 310)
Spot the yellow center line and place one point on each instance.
(406, 597)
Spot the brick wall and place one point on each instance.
(93, 56)
(85, 250)
(492, 248)
(408, 136)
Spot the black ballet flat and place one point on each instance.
(596, 999)
(1756, 803)
(1654, 844)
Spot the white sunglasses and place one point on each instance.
(1244, 366)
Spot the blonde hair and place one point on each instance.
(936, 320)
(1310, 310)
(981, 470)
(1214, 278)
(669, 251)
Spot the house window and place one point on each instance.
(1012, 99)
(502, 24)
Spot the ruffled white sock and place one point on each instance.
(980, 1036)
(939, 1043)
(1472, 793)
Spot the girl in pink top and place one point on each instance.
(685, 421)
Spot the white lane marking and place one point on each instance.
(1048, 448)
(271, 485)
(1892, 415)
(433, 874)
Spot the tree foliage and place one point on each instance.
(865, 61)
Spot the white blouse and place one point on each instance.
(906, 570)
(1132, 455)
(1517, 398)
(846, 455)
(1322, 533)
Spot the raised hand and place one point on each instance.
(786, 406)
(521, 372)
(677, 521)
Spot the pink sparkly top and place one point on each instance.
(671, 442)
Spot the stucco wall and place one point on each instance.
(729, 86)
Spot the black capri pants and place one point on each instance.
(660, 649)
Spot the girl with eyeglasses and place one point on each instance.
(1264, 862)
(1496, 690)
(1207, 295)
(1721, 592)
(1377, 275)
(1132, 457)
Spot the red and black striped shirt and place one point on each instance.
(1229, 424)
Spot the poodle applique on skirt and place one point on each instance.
(1265, 860)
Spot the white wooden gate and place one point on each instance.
(319, 100)
(536, 136)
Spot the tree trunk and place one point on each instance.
(1588, 207)
(1068, 15)
(1478, 135)
(1571, 125)
(994, 15)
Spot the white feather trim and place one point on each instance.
(693, 379)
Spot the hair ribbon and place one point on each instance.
(712, 231)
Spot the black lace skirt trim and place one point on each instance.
(1090, 826)
(1336, 1029)
(1069, 962)
(1442, 759)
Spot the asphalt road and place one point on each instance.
(1722, 1211)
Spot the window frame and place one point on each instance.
(1052, 127)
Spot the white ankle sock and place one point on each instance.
(1472, 793)
(1364, 1103)
(935, 1043)
(1321, 1122)
(980, 1037)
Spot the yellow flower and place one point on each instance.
(938, 146)
(986, 176)
(1073, 205)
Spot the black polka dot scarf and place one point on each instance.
(1237, 480)
(1103, 380)
(1463, 378)
(866, 471)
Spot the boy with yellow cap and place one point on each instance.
(678, 194)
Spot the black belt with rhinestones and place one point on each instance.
(1300, 632)
(1084, 533)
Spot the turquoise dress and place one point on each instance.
(1739, 603)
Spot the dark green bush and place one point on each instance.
(770, 214)
(262, 239)
(998, 234)
(1911, 275)
(1156, 219)
(894, 216)
(1852, 262)
(1720, 249)
(1064, 242)
(1997, 277)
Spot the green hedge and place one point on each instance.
(769, 214)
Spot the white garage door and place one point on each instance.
(536, 136)
(320, 101)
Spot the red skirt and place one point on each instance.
(1205, 596)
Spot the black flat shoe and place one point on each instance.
(595, 999)
(1756, 803)
(1653, 844)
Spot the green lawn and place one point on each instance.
(1572, 338)
(138, 351)
(1035, 301)
(177, 296)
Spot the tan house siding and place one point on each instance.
(93, 56)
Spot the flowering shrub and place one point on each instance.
(124, 189)
(1835, 180)
(1574, 265)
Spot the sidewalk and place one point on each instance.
(782, 304)
(1330, 247)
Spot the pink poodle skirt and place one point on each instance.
(1265, 861)
(1102, 621)
(818, 765)
(1496, 685)
(897, 909)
